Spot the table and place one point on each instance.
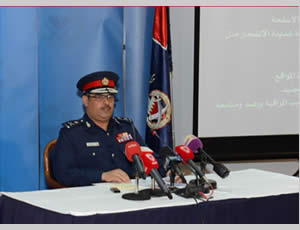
(246, 196)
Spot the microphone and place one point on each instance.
(187, 156)
(132, 152)
(151, 166)
(154, 133)
(152, 191)
(146, 149)
(197, 185)
(172, 158)
(196, 145)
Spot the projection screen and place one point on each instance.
(248, 71)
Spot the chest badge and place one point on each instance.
(123, 137)
(92, 144)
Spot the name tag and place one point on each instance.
(92, 144)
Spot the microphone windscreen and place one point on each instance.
(145, 149)
(195, 145)
(188, 139)
(185, 152)
(132, 148)
(149, 162)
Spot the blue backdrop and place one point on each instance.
(43, 53)
(19, 140)
(139, 26)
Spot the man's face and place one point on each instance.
(99, 107)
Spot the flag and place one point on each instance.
(159, 113)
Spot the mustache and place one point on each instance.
(106, 107)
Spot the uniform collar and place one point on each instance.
(90, 125)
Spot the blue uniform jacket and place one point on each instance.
(84, 151)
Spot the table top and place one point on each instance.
(98, 199)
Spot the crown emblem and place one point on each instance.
(105, 81)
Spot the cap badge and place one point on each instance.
(105, 81)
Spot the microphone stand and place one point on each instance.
(137, 195)
(200, 181)
(137, 184)
(172, 178)
(198, 184)
(153, 191)
(197, 180)
(193, 188)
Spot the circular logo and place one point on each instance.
(159, 109)
(105, 81)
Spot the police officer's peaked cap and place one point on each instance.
(99, 82)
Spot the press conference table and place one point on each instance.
(246, 196)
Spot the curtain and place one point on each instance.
(44, 51)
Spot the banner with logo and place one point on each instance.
(159, 113)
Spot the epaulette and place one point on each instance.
(122, 119)
(73, 123)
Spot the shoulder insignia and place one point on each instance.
(69, 124)
(116, 120)
(88, 124)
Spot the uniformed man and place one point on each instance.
(92, 149)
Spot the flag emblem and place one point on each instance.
(159, 109)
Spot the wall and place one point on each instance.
(44, 52)
(182, 32)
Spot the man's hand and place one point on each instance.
(116, 175)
